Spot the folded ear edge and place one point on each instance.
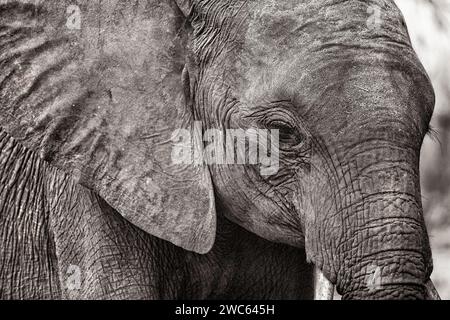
(197, 238)
(199, 241)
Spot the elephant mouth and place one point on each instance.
(324, 289)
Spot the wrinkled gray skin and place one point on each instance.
(98, 106)
(49, 224)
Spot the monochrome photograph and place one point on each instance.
(225, 156)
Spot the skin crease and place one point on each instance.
(352, 103)
(115, 259)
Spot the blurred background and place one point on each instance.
(429, 27)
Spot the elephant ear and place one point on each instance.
(96, 89)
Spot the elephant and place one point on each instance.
(95, 205)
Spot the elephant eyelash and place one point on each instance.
(267, 120)
(433, 133)
(264, 110)
(277, 115)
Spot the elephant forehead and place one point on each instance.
(282, 39)
(322, 18)
(294, 27)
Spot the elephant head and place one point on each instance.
(101, 98)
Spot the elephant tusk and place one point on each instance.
(432, 293)
(323, 288)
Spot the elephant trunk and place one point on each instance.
(374, 244)
(388, 255)
(391, 263)
(324, 289)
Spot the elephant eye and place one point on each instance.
(288, 134)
